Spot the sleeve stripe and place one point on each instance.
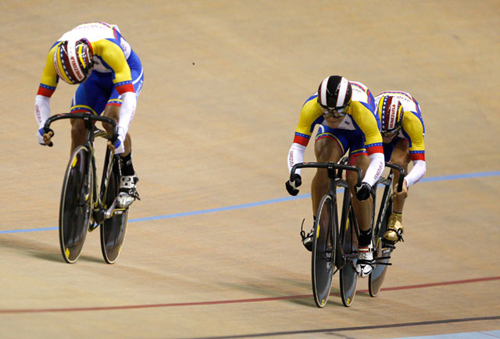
(126, 87)
(301, 139)
(417, 156)
(375, 148)
(45, 90)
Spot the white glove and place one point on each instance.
(119, 146)
(39, 137)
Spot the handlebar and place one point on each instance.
(328, 165)
(86, 117)
(401, 174)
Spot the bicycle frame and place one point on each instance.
(335, 174)
(99, 213)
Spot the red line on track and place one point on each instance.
(237, 301)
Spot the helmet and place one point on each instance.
(334, 92)
(391, 113)
(73, 60)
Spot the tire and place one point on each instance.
(382, 256)
(76, 204)
(348, 274)
(114, 228)
(323, 251)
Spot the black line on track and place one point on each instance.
(357, 328)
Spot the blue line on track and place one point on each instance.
(265, 202)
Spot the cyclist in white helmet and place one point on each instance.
(403, 133)
(109, 76)
(345, 113)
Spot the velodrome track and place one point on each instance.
(213, 248)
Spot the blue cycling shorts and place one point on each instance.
(351, 140)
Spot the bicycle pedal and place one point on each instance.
(93, 226)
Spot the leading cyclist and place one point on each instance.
(403, 133)
(109, 76)
(345, 113)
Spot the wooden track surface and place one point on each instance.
(213, 248)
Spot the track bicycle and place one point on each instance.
(334, 246)
(383, 249)
(84, 206)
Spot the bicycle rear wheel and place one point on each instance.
(114, 228)
(382, 256)
(76, 204)
(323, 251)
(348, 274)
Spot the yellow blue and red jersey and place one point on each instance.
(111, 54)
(360, 117)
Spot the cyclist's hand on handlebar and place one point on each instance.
(44, 137)
(363, 191)
(118, 147)
(404, 191)
(293, 183)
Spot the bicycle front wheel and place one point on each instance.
(323, 251)
(348, 274)
(76, 204)
(114, 228)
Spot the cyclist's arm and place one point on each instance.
(309, 116)
(48, 84)
(367, 122)
(114, 58)
(414, 129)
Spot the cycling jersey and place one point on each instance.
(412, 130)
(116, 77)
(111, 52)
(361, 120)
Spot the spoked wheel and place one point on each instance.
(76, 204)
(348, 275)
(382, 256)
(114, 228)
(323, 252)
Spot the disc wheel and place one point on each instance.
(75, 206)
(382, 256)
(114, 228)
(323, 252)
(348, 274)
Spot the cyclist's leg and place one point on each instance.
(359, 158)
(113, 107)
(400, 156)
(90, 97)
(362, 209)
(128, 192)
(330, 145)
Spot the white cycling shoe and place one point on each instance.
(128, 192)
(364, 265)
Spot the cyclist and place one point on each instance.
(403, 133)
(345, 113)
(109, 75)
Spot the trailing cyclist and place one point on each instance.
(403, 133)
(109, 76)
(345, 113)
